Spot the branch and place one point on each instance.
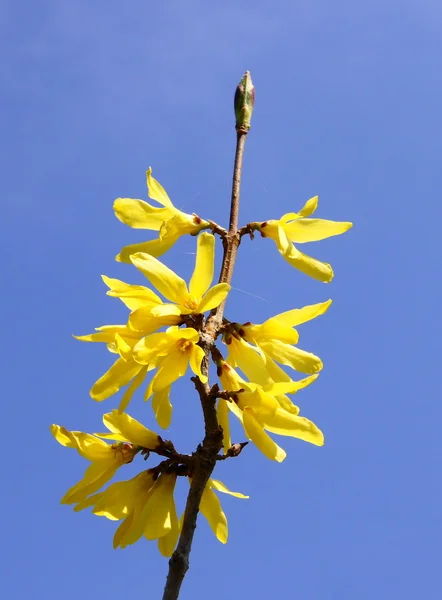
(206, 454)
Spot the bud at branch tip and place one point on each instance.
(244, 102)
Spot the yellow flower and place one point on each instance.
(195, 299)
(210, 507)
(131, 437)
(172, 351)
(168, 220)
(274, 339)
(145, 504)
(298, 228)
(265, 408)
(244, 356)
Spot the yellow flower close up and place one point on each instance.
(298, 228)
(265, 408)
(129, 437)
(172, 351)
(169, 221)
(187, 300)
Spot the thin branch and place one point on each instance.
(206, 455)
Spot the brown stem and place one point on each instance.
(206, 453)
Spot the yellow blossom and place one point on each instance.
(172, 351)
(145, 504)
(261, 409)
(130, 435)
(170, 222)
(298, 228)
(246, 357)
(193, 299)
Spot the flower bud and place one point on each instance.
(244, 102)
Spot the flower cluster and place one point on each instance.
(162, 337)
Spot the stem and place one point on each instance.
(206, 453)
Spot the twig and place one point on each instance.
(206, 455)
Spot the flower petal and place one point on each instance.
(133, 296)
(168, 283)
(156, 190)
(119, 375)
(290, 387)
(309, 207)
(63, 436)
(156, 247)
(131, 429)
(139, 214)
(250, 362)
(196, 356)
(167, 543)
(284, 423)
(210, 507)
(171, 368)
(259, 437)
(162, 407)
(204, 266)
(314, 230)
(222, 413)
(220, 487)
(134, 385)
(144, 321)
(213, 298)
(297, 316)
(307, 264)
(293, 357)
(158, 511)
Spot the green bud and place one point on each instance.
(244, 102)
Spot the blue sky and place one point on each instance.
(348, 107)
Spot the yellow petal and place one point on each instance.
(307, 264)
(63, 436)
(250, 362)
(214, 297)
(119, 375)
(95, 477)
(152, 346)
(220, 487)
(139, 214)
(156, 247)
(222, 413)
(156, 190)
(144, 321)
(167, 543)
(170, 369)
(297, 316)
(158, 511)
(272, 328)
(164, 279)
(284, 423)
(259, 437)
(133, 296)
(168, 310)
(210, 507)
(204, 266)
(116, 502)
(162, 407)
(264, 405)
(314, 230)
(290, 387)
(131, 429)
(196, 356)
(293, 357)
(135, 384)
(309, 207)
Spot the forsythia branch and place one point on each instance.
(207, 452)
